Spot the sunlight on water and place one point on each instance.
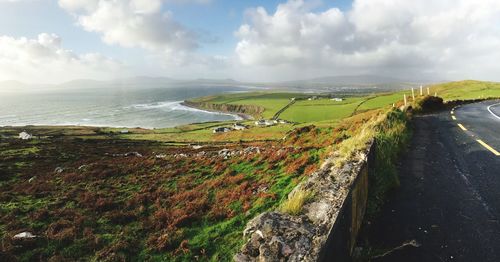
(147, 108)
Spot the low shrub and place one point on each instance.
(428, 104)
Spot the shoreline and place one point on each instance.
(240, 115)
(237, 116)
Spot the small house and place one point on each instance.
(263, 122)
(312, 98)
(238, 126)
(282, 121)
(337, 99)
(222, 129)
(25, 136)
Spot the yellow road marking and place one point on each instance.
(453, 117)
(488, 147)
(462, 127)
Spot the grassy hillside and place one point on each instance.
(272, 102)
(320, 110)
(381, 100)
(303, 110)
(183, 193)
(468, 89)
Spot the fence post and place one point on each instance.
(421, 91)
(413, 94)
(404, 96)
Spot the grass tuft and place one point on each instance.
(357, 142)
(296, 200)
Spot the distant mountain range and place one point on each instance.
(329, 83)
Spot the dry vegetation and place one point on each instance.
(295, 201)
(89, 199)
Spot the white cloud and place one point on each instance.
(44, 60)
(134, 23)
(447, 38)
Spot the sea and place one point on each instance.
(111, 107)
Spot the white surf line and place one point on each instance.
(491, 112)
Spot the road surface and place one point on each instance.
(448, 205)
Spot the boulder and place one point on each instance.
(24, 235)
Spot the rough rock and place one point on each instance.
(275, 236)
(226, 153)
(136, 154)
(24, 235)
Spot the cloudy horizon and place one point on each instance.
(43, 41)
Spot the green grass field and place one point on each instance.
(271, 101)
(382, 100)
(321, 112)
(468, 89)
(305, 111)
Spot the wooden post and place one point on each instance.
(428, 91)
(413, 94)
(404, 96)
(435, 94)
(421, 91)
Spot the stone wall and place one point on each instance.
(327, 227)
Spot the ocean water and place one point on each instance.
(114, 107)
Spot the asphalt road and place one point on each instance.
(448, 205)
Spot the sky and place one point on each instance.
(52, 41)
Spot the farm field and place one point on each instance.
(469, 89)
(270, 101)
(304, 111)
(381, 100)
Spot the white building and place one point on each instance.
(237, 126)
(25, 136)
(265, 122)
(313, 98)
(337, 99)
(281, 121)
(222, 129)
